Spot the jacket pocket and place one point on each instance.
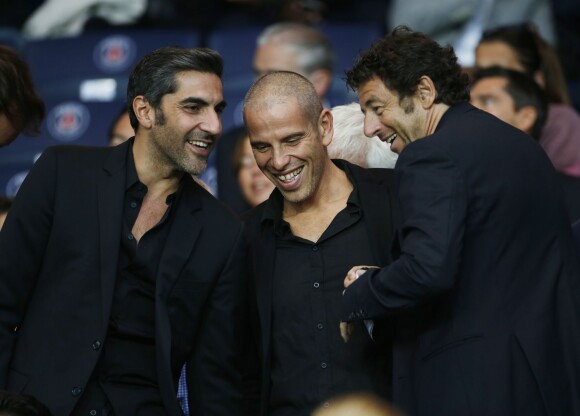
(454, 343)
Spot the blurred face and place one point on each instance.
(7, 131)
(497, 54)
(255, 186)
(489, 94)
(395, 122)
(122, 130)
(289, 149)
(274, 57)
(188, 122)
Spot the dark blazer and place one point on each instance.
(58, 264)
(486, 287)
(380, 212)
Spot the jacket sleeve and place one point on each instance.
(432, 199)
(23, 242)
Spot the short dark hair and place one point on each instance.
(18, 98)
(12, 404)
(523, 90)
(154, 75)
(402, 57)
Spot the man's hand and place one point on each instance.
(346, 328)
(355, 273)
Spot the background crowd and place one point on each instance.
(63, 75)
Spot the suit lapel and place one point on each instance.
(110, 215)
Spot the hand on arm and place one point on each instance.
(353, 274)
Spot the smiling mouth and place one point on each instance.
(391, 138)
(198, 143)
(289, 176)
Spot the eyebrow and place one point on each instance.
(199, 101)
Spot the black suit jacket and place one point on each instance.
(58, 265)
(380, 213)
(486, 289)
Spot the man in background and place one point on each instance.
(517, 99)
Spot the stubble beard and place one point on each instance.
(175, 153)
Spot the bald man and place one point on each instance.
(285, 46)
(323, 215)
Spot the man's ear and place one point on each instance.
(143, 111)
(525, 118)
(426, 92)
(325, 126)
(321, 79)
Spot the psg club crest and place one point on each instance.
(68, 121)
(115, 53)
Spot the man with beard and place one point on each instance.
(485, 288)
(323, 215)
(117, 268)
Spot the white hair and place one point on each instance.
(350, 143)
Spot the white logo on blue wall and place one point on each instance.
(68, 121)
(114, 53)
(13, 184)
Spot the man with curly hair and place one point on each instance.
(486, 287)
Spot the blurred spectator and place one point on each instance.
(121, 129)
(350, 143)
(254, 185)
(461, 22)
(286, 46)
(56, 18)
(21, 110)
(518, 100)
(522, 49)
(5, 204)
(12, 404)
(512, 97)
(362, 404)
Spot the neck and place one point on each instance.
(434, 116)
(333, 187)
(159, 178)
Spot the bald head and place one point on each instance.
(277, 87)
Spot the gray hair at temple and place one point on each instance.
(350, 143)
(313, 50)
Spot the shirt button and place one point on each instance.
(316, 285)
(326, 404)
(93, 412)
(314, 248)
(320, 326)
(133, 205)
(76, 391)
(323, 365)
(96, 345)
(130, 236)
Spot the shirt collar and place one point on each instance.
(275, 203)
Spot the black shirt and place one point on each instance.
(126, 372)
(310, 361)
